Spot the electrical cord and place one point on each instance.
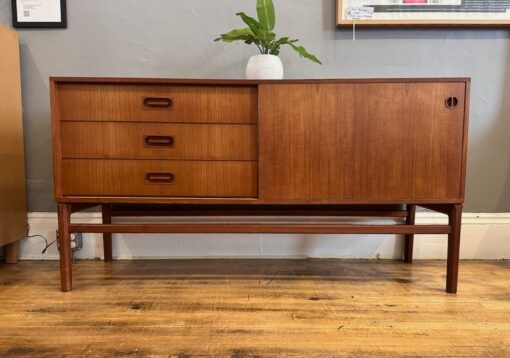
(47, 245)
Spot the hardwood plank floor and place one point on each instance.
(255, 308)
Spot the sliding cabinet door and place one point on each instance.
(362, 142)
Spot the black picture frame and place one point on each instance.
(62, 24)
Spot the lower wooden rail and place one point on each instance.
(247, 228)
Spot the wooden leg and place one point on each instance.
(11, 253)
(455, 220)
(409, 239)
(64, 218)
(107, 237)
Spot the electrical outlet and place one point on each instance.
(76, 241)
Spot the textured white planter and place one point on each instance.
(264, 67)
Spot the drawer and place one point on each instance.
(117, 140)
(87, 177)
(157, 103)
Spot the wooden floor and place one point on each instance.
(248, 308)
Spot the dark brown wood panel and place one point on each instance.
(158, 103)
(116, 140)
(389, 211)
(367, 141)
(159, 178)
(64, 246)
(267, 228)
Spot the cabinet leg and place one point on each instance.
(64, 219)
(409, 239)
(107, 237)
(452, 273)
(11, 253)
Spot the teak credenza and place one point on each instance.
(169, 147)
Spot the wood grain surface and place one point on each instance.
(361, 141)
(13, 210)
(255, 308)
(129, 178)
(323, 141)
(115, 140)
(189, 104)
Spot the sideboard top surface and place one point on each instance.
(237, 82)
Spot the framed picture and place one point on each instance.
(39, 14)
(423, 12)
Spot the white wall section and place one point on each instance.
(484, 236)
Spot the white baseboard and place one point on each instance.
(484, 236)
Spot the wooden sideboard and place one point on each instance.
(306, 148)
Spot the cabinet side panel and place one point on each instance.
(56, 139)
(372, 142)
(467, 107)
(13, 218)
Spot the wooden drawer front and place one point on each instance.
(159, 178)
(115, 140)
(198, 104)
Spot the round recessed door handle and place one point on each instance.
(452, 102)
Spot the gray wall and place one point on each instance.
(170, 38)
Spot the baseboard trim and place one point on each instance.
(484, 236)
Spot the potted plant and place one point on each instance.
(260, 33)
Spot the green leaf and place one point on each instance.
(262, 34)
(267, 36)
(251, 22)
(274, 48)
(266, 14)
(236, 35)
(281, 41)
(303, 53)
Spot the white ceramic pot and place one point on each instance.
(264, 67)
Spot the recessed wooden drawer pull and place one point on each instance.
(452, 102)
(158, 141)
(157, 102)
(159, 178)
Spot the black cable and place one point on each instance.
(47, 246)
